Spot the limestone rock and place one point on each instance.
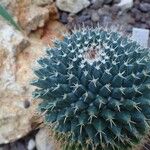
(72, 6)
(31, 14)
(17, 109)
(12, 42)
(15, 118)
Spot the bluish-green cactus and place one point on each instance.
(95, 87)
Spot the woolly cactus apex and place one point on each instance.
(95, 89)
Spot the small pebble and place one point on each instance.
(64, 18)
(31, 144)
(95, 16)
(115, 9)
(83, 18)
(145, 7)
(131, 21)
(141, 36)
(105, 19)
(103, 12)
(136, 4)
(97, 4)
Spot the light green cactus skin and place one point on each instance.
(95, 87)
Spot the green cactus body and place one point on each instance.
(95, 90)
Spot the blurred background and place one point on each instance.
(35, 24)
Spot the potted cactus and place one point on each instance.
(95, 90)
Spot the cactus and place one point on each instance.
(94, 86)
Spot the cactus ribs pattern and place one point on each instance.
(95, 90)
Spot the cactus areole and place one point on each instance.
(95, 90)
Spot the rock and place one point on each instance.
(42, 2)
(97, 4)
(31, 144)
(12, 42)
(95, 16)
(72, 6)
(34, 17)
(32, 14)
(43, 140)
(17, 119)
(141, 36)
(125, 4)
(11, 39)
(145, 7)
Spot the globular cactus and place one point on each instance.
(95, 90)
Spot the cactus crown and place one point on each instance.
(95, 90)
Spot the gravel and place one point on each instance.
(107, 12)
